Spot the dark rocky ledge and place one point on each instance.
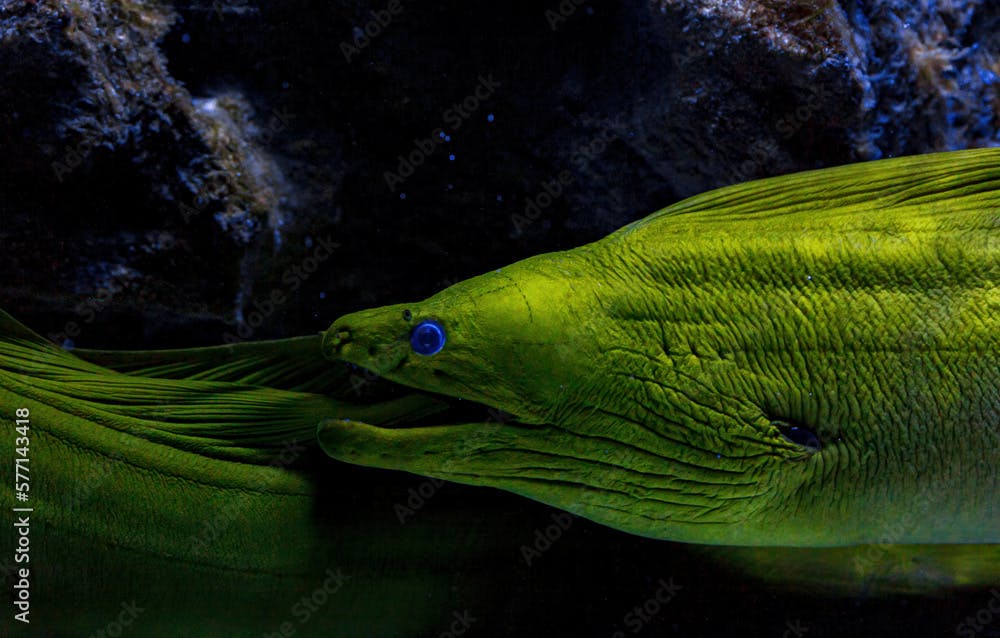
(214, 170)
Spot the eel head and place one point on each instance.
(602, 421)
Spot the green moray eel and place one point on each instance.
(805, 361)
(175, 488)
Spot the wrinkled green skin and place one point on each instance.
(647, 372)
(188, 498)
(644, 372)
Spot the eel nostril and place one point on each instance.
(338, 336)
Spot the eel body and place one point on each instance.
(808, 361)
(804, 370)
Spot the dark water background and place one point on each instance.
(592, 95)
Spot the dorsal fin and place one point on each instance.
(246, 418)
(966, 182)
(291, 364)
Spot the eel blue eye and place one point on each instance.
(427, 338)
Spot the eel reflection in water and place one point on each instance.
(808, 361)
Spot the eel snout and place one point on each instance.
(377, 339)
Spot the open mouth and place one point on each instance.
(446, 410)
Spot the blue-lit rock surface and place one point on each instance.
(169, 171)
